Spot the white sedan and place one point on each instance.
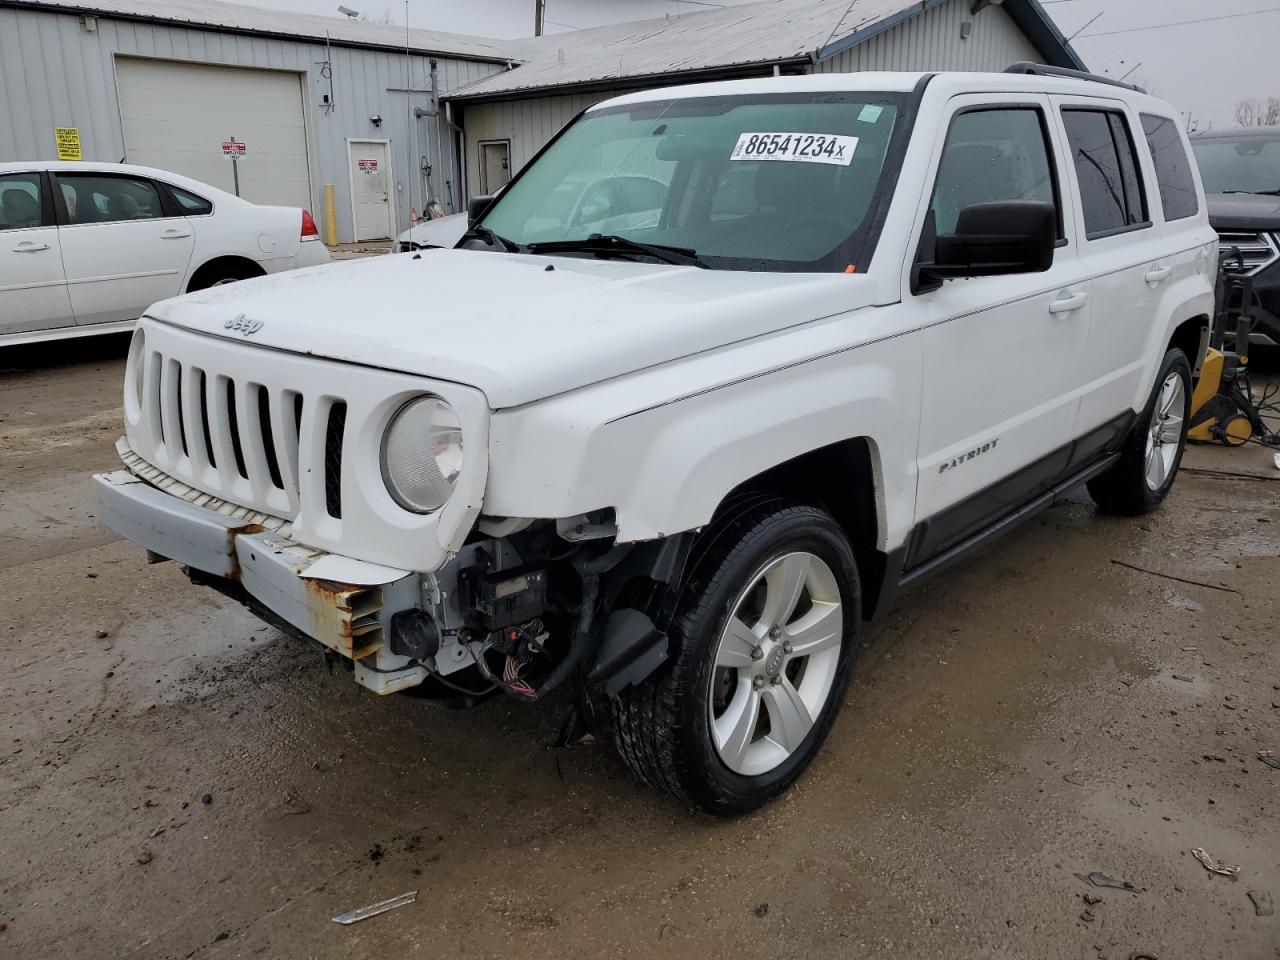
(85, 248)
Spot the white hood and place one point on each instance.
(518, 327)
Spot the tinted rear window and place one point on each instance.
(1173, 167)
(1107, 171)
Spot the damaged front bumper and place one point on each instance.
(344, 604)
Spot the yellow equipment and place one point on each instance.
(1215, 414)
(1222, 405)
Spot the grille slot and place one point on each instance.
(1258, 250)
(233, 423)
(178, 395)
(268, 440)
(202, 398)
(335, 428)
(152, 392)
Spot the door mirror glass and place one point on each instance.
(994, 239)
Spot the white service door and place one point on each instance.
(495, 166)
(120, 252)
(370, 189)
(176, 117)
(33, 287)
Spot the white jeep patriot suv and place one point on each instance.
(722, 369)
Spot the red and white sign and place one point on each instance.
(367, 166)
(233, 148)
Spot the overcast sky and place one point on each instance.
(1202, 67)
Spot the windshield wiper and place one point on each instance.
(1268, 193)
(612, 243)
(491, 238)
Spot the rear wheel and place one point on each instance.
(220, 273)
(1149, 460)
(761, 649)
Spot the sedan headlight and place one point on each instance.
(422, 454)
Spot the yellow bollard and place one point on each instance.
(330, 217)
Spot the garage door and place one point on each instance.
(177, 115)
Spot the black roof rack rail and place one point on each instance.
(1043, 70)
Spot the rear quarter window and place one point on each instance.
(190, 204)
(1173, 167)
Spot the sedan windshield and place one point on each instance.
(1246, 164)
(779, 182)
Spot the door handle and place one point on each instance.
(1069, 303)
(1156, 274)
(28, 247)
(174, 235)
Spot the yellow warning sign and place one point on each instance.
(68, 140)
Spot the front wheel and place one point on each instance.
(1149, 460)
(761, 649)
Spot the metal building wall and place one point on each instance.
(928, 41)
(933, 41)
(527, 124)
(55, 73)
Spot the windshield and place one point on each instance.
(1239, 164)
(780, 182)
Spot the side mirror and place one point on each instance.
(991, 239)
(476, 208)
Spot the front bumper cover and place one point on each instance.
(344, 604)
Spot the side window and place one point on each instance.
(20, 201)
(102, 199)
(1107, 171)
(189, 203)
(993, 155)
(1173, 167)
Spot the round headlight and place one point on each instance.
(422, 454)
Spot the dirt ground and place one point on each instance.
(178, 780)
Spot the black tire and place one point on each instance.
(662, 727)
(218, 273)
(1124, 488)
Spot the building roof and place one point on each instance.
(238, 18)
(766, 32)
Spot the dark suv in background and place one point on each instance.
(1241, 173)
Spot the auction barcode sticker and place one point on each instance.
(797, 147)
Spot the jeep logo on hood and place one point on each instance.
(243, 324)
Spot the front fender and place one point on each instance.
(665, 465)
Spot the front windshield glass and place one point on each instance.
(1242, 164)
(778, 182)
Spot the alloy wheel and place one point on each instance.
(1164, 434)
(775, 663)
